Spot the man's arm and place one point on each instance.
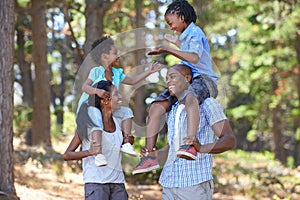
(225, 142)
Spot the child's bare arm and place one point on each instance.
(182, 55)
(131, 80)
(87, 88)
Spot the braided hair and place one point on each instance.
(83, 120)
(182, 8)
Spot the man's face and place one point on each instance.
(176, 82)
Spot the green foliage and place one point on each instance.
(254, 175)
(290, 162)
(68, 126)
(23, 3)
(259, 61)
(22, 116)
(297, 134)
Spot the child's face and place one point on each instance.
(176, 23)
(113, 56)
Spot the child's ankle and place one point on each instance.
(150, 151)
(128, 138)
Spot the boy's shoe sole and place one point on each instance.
(147, 164)
(100, 160)
(187, 152)
(127, 148)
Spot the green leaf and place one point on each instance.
(251, 135)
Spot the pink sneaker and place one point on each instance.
(187, 152)
(147, 164)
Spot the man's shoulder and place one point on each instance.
(211, 103)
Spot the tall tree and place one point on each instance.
(259, 50)
(41, 101)
(23, 63)
(296, 71)
(94, 13)
(139, 99)
(7, 188)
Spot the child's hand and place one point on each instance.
(155, 66)
(157, 50)
(102, 93)
(171, 38)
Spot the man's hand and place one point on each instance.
(192, 141)
(94, 148)
(128, 138)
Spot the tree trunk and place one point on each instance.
(62, 89)
(7, 187)
(297, 75)
(24, 66)
(277, 129)
(41, 101)
(139, 99)
(94, 13)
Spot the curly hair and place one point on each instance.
(101, 46)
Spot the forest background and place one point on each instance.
(255, 47)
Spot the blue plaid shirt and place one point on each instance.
(194, 40)
(178, 172)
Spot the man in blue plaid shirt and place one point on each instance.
(192, 179)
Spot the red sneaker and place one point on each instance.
(187, 152)
(147, 164)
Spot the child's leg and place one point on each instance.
(149, 160)
(128, 140)
(193, 115)
(97, 140)
(156, 111)
(126, 129)
(197, 93)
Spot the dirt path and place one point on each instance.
(38, 176)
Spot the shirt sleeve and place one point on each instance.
(196, 45)
(96, 73)
(121, 75)
(213, 111)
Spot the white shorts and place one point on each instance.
(203, 191)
